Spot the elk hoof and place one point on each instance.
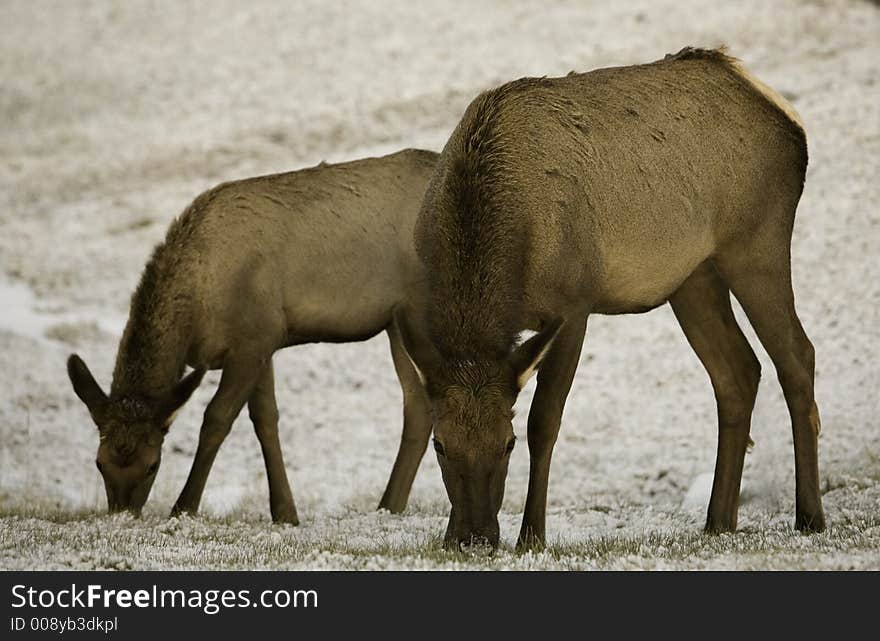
(810, 524)
(530, 541)
(395, 507)
(719, 526)
(179, 510)
(286, 516)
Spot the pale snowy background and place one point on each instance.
(113, 116)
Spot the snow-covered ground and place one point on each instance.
(114, 116)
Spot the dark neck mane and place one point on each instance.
(152, 352)
(478, 246)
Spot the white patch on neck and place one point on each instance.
(768, 93)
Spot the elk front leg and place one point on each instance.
(263, 411)
(545, 416)
(236, 385)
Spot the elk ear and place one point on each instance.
(180, 395)
(526, 359)
(420, 352)
(86, 388)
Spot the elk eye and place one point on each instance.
(153, 468)
(510, 444)
(438, 447)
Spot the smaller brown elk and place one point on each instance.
(609, 192)
(318, 255)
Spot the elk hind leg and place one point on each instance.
(416, 428)
(759, 275)
(263, 410)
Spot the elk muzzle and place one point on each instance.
(473, 520)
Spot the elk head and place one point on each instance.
(472, 412)
(131, 433)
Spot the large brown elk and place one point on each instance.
(608, 192)
(252, 266)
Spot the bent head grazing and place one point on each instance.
(472, 412)
(131, 432)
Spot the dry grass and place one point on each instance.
(42, 537)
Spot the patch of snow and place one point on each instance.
(697, 496)
(22, 314)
